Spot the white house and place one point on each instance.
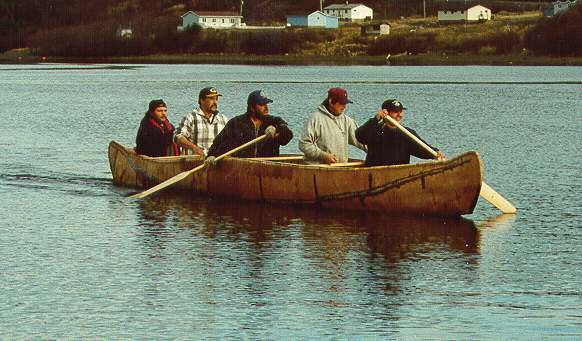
(211, 19)
(125, 33)
(453, 13)
(349, 11)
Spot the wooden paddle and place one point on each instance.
(183, 175)
(486, 193)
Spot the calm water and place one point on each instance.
(80, 260)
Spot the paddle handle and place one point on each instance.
(412, 136)
(179, 177)
(242, 146)
(486, 192)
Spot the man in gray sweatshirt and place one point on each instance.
(328, 131)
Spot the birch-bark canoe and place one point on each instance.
(445, 188)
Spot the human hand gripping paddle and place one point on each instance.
(269, 132)
(487, 192)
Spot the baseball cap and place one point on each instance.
(208, 92)
(393, 105)
(338, 95)
(258, 97)
(156, 103)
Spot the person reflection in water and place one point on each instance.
(155, 134)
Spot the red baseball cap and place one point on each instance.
(338, 95)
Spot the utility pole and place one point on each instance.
(241, 7)
(424, 9)
(321, 5)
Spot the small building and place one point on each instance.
(558, 7)
(377, 29)
(124, 33)
(462, 13)
(210, 19)
(315, 19)
(350, 12)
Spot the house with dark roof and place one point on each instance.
(458, 12)
(206, 19)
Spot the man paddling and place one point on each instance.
(387, 145)
(199, 128)
(250, 125)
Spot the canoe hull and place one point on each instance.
(436, 188)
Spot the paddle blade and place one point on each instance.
(496, 199)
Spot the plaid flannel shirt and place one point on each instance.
(200, 130)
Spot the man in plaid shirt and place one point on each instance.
(198, 128)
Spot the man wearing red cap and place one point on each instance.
(328, 131)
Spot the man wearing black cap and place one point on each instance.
(155, 133)
(250, 125)
(387, 145)
(198, 129)
(328, 131)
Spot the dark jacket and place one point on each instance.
(389, 146)
(240, 130)
(155, 138)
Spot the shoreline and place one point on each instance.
(429, 59)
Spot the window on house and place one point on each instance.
(203, 19)
(223, 21)
(232, 21)
(213, 19)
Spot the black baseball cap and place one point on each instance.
(156, 103)
(208, 92)
(393, 105)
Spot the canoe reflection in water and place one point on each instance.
(327, 233)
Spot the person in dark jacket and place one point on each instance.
(250, 125)
(156, 133)
(387, 145)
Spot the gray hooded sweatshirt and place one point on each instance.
(325, 132)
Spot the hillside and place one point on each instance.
(87, 29)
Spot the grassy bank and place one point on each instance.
(412, 41)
